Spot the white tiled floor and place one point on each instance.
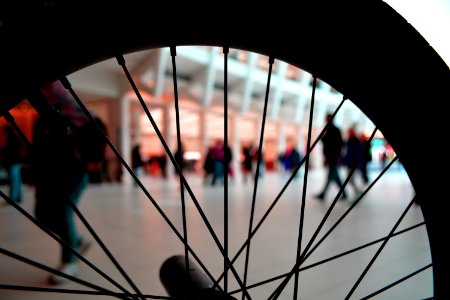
(141, 240)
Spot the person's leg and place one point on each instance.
(334, 176)
(322, 194)
(352, 181)
(214, 173)
(73, 237)
(137, 172)
(68, 233)
(15, 183)
(363, 169)
(218, 171)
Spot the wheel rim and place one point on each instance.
(400, 137)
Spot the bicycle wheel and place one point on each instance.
(331, 48)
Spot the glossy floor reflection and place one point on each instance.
(141, 240)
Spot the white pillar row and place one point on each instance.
(361, 123)
(161, 70)
(320, 114)
(339, 118)
(125, 134)
(204, 142)
(278, 89)
(300, 109)
(167, 135)
(210, 77)
(235, 144)
(300, 139)
(316, 157)
(248, 87)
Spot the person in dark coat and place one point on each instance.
(208, 164)
(332, 150)
(247, 162)
(61, 151)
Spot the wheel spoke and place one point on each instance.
(139, 183)
(73, 292)
(226, 163)
(348, 210)
(296, 266)
(397, 282)
(278, 197)
(60, 241)
(300, 259)
(282, 276)
(173, 53)
(121, 62)
(258, 163)
(43, 227)
(341, 190)
(305, 184)
(352, 290)
(56, 272)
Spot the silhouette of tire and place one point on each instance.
(364, 49)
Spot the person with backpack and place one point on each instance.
(64, 143)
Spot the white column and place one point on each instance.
(300, 109)
(167, 134)
(320, 114)
(125, 133)
(340, 116)
(300, 139)
(248, 87)
(204, 142)
(160, 76)
(210, 77)
(278, 89)
(235, 144)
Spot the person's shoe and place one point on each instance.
(70, 269)
(320, 196)
(343, 197)
(83, 245)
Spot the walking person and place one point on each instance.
(247, 162)
(137, 163)
(332, 143)
(366, 158)
(208, 164)
(352, 149)
(218, 155)
(62, 148)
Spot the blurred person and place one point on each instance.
(292, 158)
(247, 161)
(352, 149)
(332, 148)
(383, 156)
(208, 164)
(261, 163)
(97, 163)
(12, 159)
(228, 161)
(366, 158)
(62, 148)
(162, 162)
(179, 158)
(137, 163)
(218, 153)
